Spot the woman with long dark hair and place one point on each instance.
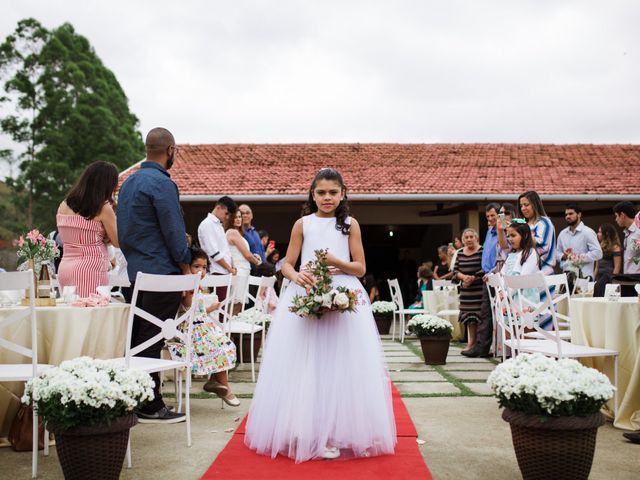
(86, 221)
(611, 261)
(543, 231)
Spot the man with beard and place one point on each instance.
(580, 240)
(152, 238)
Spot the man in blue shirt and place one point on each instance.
(250, 233)
(489, 257)
(152, 238)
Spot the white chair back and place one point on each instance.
(263, 287)
(523, 314)
(218, 283)
(499, 305)
(21, 281)
(558, 286)
(168, 327)
(438, 284)
(396, 293)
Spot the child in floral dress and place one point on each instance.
(213, 353)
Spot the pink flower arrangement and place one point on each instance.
(35, 246)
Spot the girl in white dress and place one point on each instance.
(241, 256)
(323, 388)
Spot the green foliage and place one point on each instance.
(66, 108)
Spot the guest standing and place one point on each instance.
(611, 261)
(624, 213)
(242, 258)
(371, 287)
(87, 223)
(153, 240)
(578, 239)
(544, 233)
(481, 343)
(250, 233)
(468, 270)
(442, 270)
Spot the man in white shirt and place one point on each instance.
(625, 213)
(213, 240)
(578, 239)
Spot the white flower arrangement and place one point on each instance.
(86, 391)
(425, 325)
(383, 307)
(251, 315)
(539, 385)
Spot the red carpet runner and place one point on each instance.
(237, 462)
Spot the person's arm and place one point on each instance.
(167, 206)
(502, 238)
(617, 261)
(302, 278)
(357, 264)
(594, 250)
(560, 253)
(236, 240)
(108, 218)
(435, 272)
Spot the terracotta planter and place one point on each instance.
(435, 349)
(93, 452)
(553, 447)
(246, 346)
(383, 322)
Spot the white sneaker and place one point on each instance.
(330, 453)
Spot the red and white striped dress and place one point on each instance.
(85, 261)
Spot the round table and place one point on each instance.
(598, 322)
(64, 332)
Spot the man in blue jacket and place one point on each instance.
(152, 238)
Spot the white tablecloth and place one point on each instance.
(63, 333)
(598, 322)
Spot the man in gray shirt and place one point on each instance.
(580, 240)
(625, 213)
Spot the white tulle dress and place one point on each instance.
(322, 382)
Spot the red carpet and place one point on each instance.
(237, 462)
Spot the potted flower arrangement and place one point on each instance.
(383, 314)
(88, 404)
(255, 317)
(553, 408)
(35, 251)
(434, 334)
(322, 297)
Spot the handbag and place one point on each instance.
(20, 432)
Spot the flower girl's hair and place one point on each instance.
(342, 212)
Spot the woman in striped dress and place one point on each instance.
(87, 223)
(543, 231)
(468, 270)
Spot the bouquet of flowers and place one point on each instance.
(539, 385)
(86, 391)
(575, 262)
(34, 246)
(322, 298)
(425, 325)
(635, 248)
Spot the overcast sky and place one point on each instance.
(370, 71)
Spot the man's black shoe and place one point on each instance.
(164, 415)
(634, 437)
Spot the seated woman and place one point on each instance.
(425, 279)
(213, 352)
(86, 222)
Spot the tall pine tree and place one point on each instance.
(67, 110)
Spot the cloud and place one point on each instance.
(367, 71)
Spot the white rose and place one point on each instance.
(326, 300)
(341, 300)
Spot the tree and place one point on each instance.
(68, 110)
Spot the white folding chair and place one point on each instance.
(581, 284)
(559, 287)
(500, 325)
(23, 372)
(522, 317)
(400, 312)
(168, 329)
(264, 285)
(120, 282)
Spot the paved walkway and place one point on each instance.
(451, 406)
